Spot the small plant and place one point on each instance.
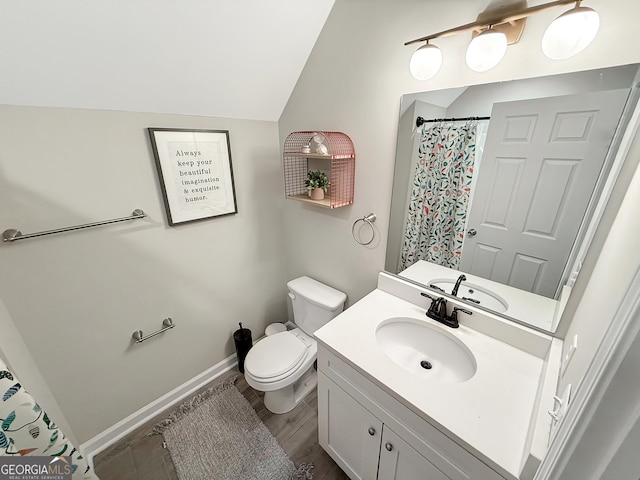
(317, 179)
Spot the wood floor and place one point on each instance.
(142, 457)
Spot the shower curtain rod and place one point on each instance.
(421, 121)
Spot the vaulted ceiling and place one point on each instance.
(225, 58)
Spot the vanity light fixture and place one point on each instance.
(425, 62)
(486, 50)
(493, 30)
(571, 32)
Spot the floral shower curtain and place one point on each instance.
(440, 195)
(25, 429)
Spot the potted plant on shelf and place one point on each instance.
(317, 183)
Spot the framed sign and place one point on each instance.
(195, 173)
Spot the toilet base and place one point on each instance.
(285, 399)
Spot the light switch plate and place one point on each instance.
(568, 356)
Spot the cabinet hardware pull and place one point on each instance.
(372, 431)
(388, 446)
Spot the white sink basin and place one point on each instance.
(426, 350)
(484, 296)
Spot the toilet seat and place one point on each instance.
(282, 364)
(275, 356)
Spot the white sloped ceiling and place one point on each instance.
(225, 58)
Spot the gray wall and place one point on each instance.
(353, 82)
(77, 297)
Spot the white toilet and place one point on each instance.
(281, 364)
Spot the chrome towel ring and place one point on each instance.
(369, 219)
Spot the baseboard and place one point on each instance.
(114, 433)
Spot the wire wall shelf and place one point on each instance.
(329, 152)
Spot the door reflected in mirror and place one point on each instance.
(502, 181)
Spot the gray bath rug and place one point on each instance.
(218, 435)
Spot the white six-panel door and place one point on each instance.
(540, 164)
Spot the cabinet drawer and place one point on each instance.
(447, 455)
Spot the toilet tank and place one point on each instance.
(314, 303)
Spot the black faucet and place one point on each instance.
(460, 279)
(438, 311)
(454, 315)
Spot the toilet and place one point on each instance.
(282, 363)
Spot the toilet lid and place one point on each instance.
(275, 355)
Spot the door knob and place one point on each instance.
(471, 232)
(372, 431)
(388, 446)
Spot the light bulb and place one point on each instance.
(486, 50)
(570, 33)
(425, 62)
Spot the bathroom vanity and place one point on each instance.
(475, 407)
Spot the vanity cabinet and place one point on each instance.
(348, 432)
(330, 152)
(361, 444)
(400, 461)
(371, 435)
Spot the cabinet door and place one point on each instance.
(399, 461)
(347, 431)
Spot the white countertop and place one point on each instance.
(489, 414)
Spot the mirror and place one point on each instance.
(587, 112)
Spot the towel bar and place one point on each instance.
(139, 337)
(11, 235)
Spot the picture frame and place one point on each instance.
(195, 172)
